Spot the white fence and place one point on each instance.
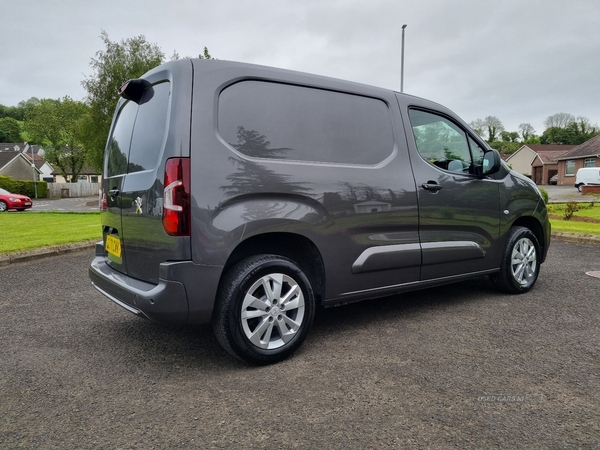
(73, 189)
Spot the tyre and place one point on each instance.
(3, 206)
(579, 186)
(265, 307)
(520, 266)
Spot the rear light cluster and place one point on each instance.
(176, 198)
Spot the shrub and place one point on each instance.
(544, 193)
(24, 187)
(570, 209)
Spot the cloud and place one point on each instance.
(520, 61)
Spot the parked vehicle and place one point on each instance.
(13, 201)
(246, 196)
(553, 179)
(587, 176)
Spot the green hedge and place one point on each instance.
(24, 187)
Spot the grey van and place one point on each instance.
(246, 196)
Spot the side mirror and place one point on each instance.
(490, 164)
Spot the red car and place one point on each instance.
(13, 201)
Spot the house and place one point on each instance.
(87, 175)
(583, 155)
(43, 166)
(537, 161)
(15, 164)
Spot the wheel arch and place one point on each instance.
(536, 228)
(296, 247)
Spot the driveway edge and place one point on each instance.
(46, 252)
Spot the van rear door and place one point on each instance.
(146, 133)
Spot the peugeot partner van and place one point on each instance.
(247, 196)
(587, 176)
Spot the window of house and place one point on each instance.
(589, 162)
(287, 122)
(570, 167)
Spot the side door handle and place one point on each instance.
(431, 186)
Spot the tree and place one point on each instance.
(488, 128)
(204, 55)
(566, 129)
(479, 127)
(494, 127)
(559, 120)
(10, 129)
(119, 62)
(57, 123)
(509, 136)
(505, 147)
(527, 131)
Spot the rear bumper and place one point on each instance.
(185, 293)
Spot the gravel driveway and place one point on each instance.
(455, 367)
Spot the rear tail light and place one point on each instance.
(176, 197)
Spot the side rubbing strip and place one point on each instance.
(387, 257)
(451, 251)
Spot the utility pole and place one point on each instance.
(33, 167)
(402, 62)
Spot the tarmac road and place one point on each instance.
(75, 204)
(460, 366)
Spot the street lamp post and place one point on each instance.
(34, 174)
(402, 61)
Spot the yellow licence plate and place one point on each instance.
(113, 246)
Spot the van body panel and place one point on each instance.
(343, 209)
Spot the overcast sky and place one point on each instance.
(519, 60)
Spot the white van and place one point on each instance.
(587, 176)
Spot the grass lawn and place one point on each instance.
(26, 230)
(586, 220)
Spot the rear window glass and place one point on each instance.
(139, 133)
(280, 121)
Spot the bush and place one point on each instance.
(570, 209)
(24, 187)
(544, 193)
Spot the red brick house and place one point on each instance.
(584, 155)
(538, 161)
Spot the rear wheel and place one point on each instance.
(265, 308)
(520, 266)
(3, 206)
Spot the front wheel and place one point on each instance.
(264, 310)
(579, 187)
(3, 206)
(520, 266)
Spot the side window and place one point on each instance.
(139, 132)
(444, 144)
(476, 151)
(287, 122)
